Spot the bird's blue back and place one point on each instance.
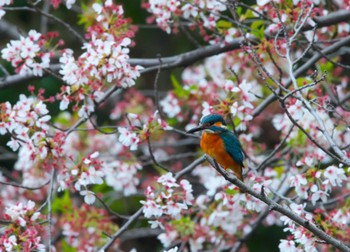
(231, 143)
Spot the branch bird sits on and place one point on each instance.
(220, 143)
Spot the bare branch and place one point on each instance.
(153, 157)
(17, 78)
(9, 30)
(122, 229)
(140, 233)
(331, 19)
(109, 210)
(25, 187)
(44, 19)
(56, 19)
(188, 58)
(49, 214)
(263, 163)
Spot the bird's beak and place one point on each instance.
(198, 128)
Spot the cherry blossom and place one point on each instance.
(24, 231)
(286, 245)
(89, 196)
(128, 138)
(122, 176)
(22, 54)
(334, 176)
(161, 203)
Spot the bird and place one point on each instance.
(220, 143)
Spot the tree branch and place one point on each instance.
(188, 58)
(331, 19)
(9, 30)
(15, 79)
(279, 208)
(24, 187)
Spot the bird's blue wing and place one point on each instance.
(233, 146)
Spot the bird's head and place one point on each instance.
(212, 123)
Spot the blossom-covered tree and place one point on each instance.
(94, 149)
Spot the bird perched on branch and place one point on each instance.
(220, 143)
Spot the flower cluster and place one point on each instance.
(87, 172)
(142, 127)
(103, 63)
(317, 185)
(204, 13)
(24, 231)
(26, 55)
(82, 227)
(302, 237)
(122, 176)
(81, 168)
(170, 200)
(27, 122)
(39, 149)
(248, 93)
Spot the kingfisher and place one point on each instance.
(220, 143)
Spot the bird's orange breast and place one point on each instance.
(213, 145)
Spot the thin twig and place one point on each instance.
(49, 214)
(262, 164)
(190, 167)
(323, 77)
(121, 230)
(25, 187)
(153, 157)
(156, 91)
(110, 211)
(44, 19)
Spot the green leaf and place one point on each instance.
(66, 247)
(178, 88)
(184, 225)
(300, 139)
(258, 29)
(302, 81)
(230, 191)
(236, 121)
(223, 24)
(327, 67)
(280, 170)
(63, 119)
(249, 14)
(62, 204)
(239, 10)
